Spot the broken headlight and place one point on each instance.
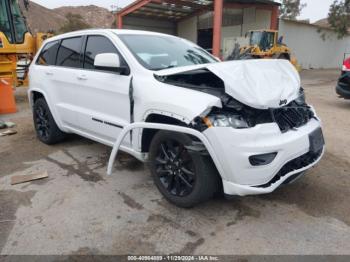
(220, 120)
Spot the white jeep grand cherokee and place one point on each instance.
(203, 125)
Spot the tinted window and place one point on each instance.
(98, 45)
(69, 52)
(48, 54)
(18, 22)
(10, 15)
(5, 26)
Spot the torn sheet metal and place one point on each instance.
(261, 84)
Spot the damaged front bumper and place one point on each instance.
(231, 150)
(231, 188)
(287, 156)
(343, 86)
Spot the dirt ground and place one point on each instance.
(79, 210)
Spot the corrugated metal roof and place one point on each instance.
(263, 2)
(173, 10)
(178, 9)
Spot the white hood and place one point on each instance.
(259, 83)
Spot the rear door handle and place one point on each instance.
(82, 77)
(49, 73)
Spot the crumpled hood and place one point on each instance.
(262, 84)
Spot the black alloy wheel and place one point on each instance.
(175, 168)
(184, 176)
(42, 122)
(45, 126)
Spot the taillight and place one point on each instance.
(346, 65)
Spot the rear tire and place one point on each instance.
(185, 178)
(45, 126)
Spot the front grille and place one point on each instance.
(295, 164)
(289, 117)
(292, 117)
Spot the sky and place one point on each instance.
(315, 10)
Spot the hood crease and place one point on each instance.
(261, 84)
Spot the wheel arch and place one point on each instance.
(34, 94)
(282, 55)
(286, 55)
(159, 118)
(169, 127)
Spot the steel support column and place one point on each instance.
(217, 26)
(131, 8)
(274, 18)
(119, 21)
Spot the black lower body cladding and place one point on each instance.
(297, 163)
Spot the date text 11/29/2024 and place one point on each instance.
(173, 258)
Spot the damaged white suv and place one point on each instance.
(204, 126)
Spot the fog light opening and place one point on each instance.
(262, 160)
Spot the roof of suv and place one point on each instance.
(115, 31)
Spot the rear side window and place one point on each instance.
(98, 45)
(48, 54)
(69, 52)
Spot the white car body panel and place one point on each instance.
(185, 103)
(239, 144)
(260, 83)
(96, 105)
(107, 91)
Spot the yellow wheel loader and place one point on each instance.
(264, 44)
(17, 45)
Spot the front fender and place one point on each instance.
(181, 103)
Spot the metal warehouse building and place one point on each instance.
(214, 25)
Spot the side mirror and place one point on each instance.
(109, 62)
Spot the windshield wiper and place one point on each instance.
(167, 67)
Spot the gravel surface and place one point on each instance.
(79, 210)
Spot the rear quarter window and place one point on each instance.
(48, 54)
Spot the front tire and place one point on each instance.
(45, 126)
(185, 178)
